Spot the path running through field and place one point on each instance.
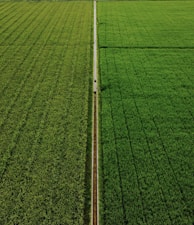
(95, 129)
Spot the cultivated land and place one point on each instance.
(147, 112)
(45, 83)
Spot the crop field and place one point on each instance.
(146, 62)
(45, 83)
(146, 109)
(146, 24)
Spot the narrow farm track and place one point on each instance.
(95, 129)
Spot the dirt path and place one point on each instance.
(95, 129)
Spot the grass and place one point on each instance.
(146, 112)
(45, 84)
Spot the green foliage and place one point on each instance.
(45, 81)
(146, 24)
(147, 113)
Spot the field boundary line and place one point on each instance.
(95, 208)
(149, 47)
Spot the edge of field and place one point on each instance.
(100, 153)
(88, 165)
(100, 158)
(88, 162)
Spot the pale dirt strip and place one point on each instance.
(95, 209)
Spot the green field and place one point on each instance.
(45, 83)
(146, 109)
(146, 112)
(146, 24)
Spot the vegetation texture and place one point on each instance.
(146, 24)
(147, 112)
(45, 70)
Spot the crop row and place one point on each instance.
(45, 85)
